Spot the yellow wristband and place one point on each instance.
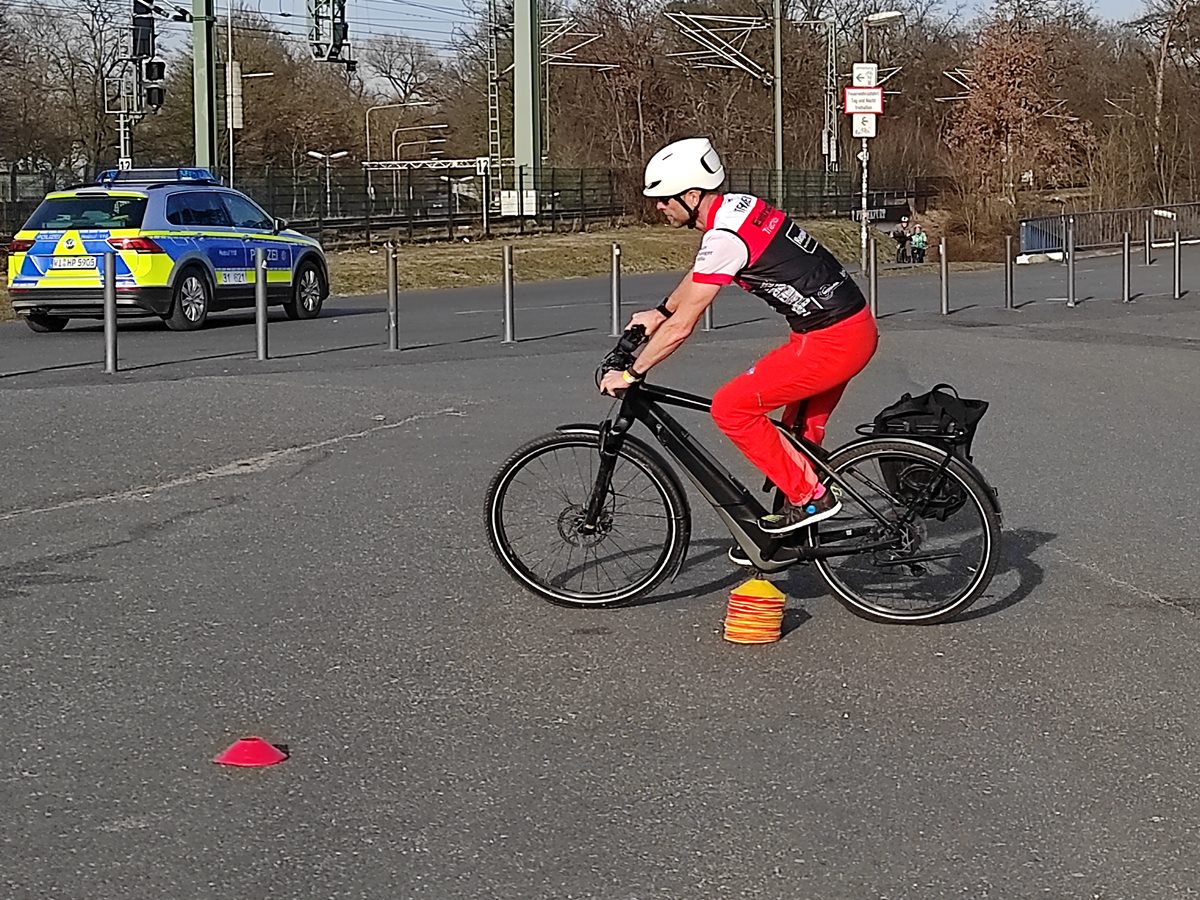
(628, 379)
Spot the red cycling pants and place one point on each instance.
(807, 375)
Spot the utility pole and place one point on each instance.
(777, 89)
(232, 83)
(494, 143)
(527, 132)
(204, 80)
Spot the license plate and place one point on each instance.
(228, 277)
(73, 262)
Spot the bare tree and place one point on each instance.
(408, 68)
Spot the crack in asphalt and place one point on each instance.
(248, 466)
(1182, 604)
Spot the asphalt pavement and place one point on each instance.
(205, 546)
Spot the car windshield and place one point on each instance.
(97, 211)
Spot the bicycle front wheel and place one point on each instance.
(536, 505)
(940, 530)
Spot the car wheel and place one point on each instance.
(308, 292)
(43, 324)
(190, 301)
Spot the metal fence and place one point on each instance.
(349, 205)
(1105, 228)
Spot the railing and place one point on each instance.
(1105, 228)
(356, 207)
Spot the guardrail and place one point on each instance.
(1104, 229)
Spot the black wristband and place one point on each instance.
(662, 308)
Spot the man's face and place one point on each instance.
(672, 209)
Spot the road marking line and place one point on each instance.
(499, 309)
(249, 466)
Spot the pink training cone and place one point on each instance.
(252, 752)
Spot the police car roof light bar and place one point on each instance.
(146, 176)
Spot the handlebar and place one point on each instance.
(621, 357)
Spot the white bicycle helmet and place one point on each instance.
(690, 164)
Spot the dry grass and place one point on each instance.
(542, 257)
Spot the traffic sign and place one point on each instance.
(864, 101)
(864, 74)
(863, 125)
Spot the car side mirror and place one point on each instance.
(280, 224)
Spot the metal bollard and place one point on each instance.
(873, 278)
(1008, 273)
(260, 301)
(110, 312)
(508, 295)
(1071, 262)
(1149, 244)
(393, 298)
(1178, 268)
(1125, 293)
(616, 289)
(945, 266)
(708, 318)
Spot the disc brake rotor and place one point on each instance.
(570, 527)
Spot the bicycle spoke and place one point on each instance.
(542, 512)
(936, 548)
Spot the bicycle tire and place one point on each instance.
(677, 521)
(979, 498)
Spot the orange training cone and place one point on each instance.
(755, 613)
(252, 752)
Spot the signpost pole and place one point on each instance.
(863, 103)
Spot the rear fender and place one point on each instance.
(992, 493)
(594, 429)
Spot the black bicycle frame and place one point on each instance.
(734, 503)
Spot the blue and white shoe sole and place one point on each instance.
(804, 523)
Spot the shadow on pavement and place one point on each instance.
(799, 584)
(189, 359)
(741, 322)
(1017, 550)
(325, 350)
(470, 340)
(715, 549)
(98, 363)
(545, 337)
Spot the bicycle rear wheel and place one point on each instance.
(943, 526)
(538, 500)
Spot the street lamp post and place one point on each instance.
(398, 131)
(874, 20)
(328, 158)
(396, 155)
(406, 105)
(398, 147)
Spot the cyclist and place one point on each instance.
(833, 334)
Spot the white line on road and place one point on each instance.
(500, 309)
(249, 466)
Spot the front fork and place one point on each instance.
(611, 437)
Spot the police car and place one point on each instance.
(184, 244)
